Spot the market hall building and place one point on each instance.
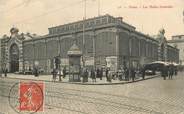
(100, 39)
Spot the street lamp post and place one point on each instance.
(94, 47)
(98, 7)
(58, 65)
(83, 39)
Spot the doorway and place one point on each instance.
(14, 58)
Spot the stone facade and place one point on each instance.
(13, 61)
(99, 38)
(178, 42)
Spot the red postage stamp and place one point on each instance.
(31, 96)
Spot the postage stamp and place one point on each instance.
(27, 97)
(31, 96)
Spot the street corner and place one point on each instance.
(27, 97)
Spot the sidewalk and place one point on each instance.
(48, 78)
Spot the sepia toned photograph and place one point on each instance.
(91, 56)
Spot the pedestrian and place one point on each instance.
(36, 72)
(64, 72)
(60, 74)
(98, 73)
(5, 72)
(171, 72)
(168, 71)
(85, 76)
(164, 72)
(113, 75)
(54, 73)
(110, 76)
(106, 74)
(133, 74)
(175, 71)
(93, 75)
(126, 74)
(101, 73)
(143, 73)
(120, 74)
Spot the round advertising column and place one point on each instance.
(74, 55)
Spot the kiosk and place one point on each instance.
(74, 55)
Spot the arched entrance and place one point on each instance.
(14, 58)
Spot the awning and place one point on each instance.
(160, 62)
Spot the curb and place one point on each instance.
(79, 83)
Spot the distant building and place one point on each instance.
(104, 37)
(178, 42)
(166, 52)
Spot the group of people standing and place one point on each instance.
(168, 72)
(92, 74)
(125, 73)
(132, 73)
(60, 73)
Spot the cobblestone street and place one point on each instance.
(153, 96)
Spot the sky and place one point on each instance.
(36, 16)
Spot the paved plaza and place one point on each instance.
(153, 96)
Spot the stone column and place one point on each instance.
(130, 50)
(20, 57)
